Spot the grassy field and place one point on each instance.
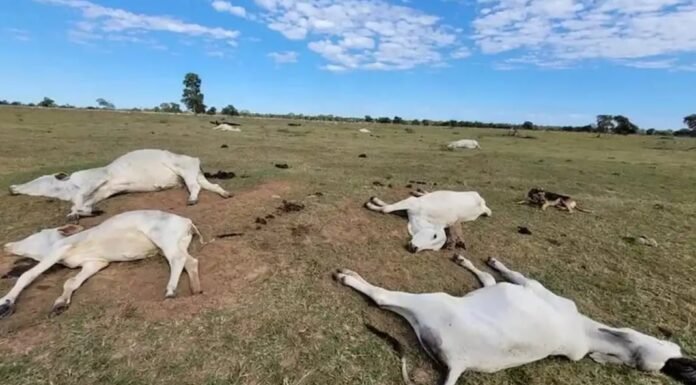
(270, 312)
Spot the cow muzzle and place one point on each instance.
(411, 248)
(13, 190)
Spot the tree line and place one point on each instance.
(193, 100)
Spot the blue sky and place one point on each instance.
(548, 61)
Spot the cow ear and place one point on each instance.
(61, 176)
(69, 230)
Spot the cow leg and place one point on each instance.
(452, 376)
(7, 303)
(194, 188)
(177, 261)
(88, 269)
(191, 267)
(486, 279)
(206, 185)
(519, 279)
(375, 204)
(455, 239)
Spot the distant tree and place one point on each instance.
(383, 119)
(624, 126)
(29, 104)
(192, 96)
(229, 110)
(47, 102)
(605, 124)
(369, 119)
(690, 122)
(527, 125)
(397, 120)
(170, 107)
(650, 131)
(211, 111)
(426, 122)
(415, 122)
(16, 103)
(4, 102)
(103, 103)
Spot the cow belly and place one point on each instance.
(118, 246)
(145, 179)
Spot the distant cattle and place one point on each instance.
(227, 127)
(364, 131)
(125, 237)
(136, 171)
(464, 143)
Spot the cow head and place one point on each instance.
(38, 245)
(425, 235)
(53, 186)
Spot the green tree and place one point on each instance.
(229, 110)
(47, 102)
(426, 122)
(211, 111)
(369, 119)
(383, 119)
(527, 125)
(397, 120)
(690, 122)
(170, 107)
(192, 96)
(624, 126)
(605, 123)
(415, 122)
(103, 103)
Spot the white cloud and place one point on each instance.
(362, 34)
(225, 6)
(18, 34)
(284, 57)
(567, 31)
(99, 22)
(461, 53)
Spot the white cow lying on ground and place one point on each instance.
(125, 237)
(429, 214)
(136, 171)
(227, 127)
(504, 325)
(464, 143)
(364, 130)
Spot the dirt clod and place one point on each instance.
(282, 166)
(362, 156)
(524, 230)
(289, 207)
(261, 221)
(220, 175)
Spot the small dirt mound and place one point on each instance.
(289, 207)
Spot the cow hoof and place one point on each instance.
(227, 195)
(492, 262)
(191, 203)
(169, 296)
(58, 309)
(7, 309)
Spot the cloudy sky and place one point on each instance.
(548, 61)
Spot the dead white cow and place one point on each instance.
(227, 127)
(364, 131)
(504, 325)
(464, 143)
(429, 214)
(125, 237)
(136, 171)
